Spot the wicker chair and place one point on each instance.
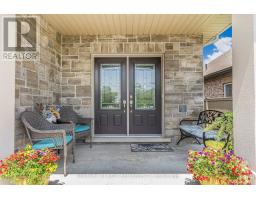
(82, 125)
(43, 134)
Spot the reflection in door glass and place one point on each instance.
(110, 86)
(144, 86)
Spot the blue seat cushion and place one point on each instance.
(52, 142)
(197, 131)
(79, 128)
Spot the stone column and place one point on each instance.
(244, 86)
(7, 102)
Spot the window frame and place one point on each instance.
(225, 90)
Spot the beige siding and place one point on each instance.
(219, 64)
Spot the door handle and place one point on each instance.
(124, 105)
(131, 103)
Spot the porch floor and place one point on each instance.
(117, 158)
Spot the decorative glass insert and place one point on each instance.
(144, 86)
(110, 86)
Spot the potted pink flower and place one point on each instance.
(29, 166)
(212, 166)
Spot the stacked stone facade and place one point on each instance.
(183, 77)
(64, 73)
(38, 81)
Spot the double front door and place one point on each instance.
(127, 96)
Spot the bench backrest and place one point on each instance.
(208, 116)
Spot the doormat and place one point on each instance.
(152, 147)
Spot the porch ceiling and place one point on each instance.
(103, 24)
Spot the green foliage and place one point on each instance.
(224, 125)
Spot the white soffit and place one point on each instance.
(208, 25)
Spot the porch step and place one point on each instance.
(130, 139)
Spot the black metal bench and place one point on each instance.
(194, 128)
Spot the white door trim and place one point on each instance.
(127, 97)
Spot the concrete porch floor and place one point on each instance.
(117, 158)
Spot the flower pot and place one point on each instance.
(24, 181)
(5, 182)
(212, 181)
(44, 180)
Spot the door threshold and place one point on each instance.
(127, 136)
(130, 139)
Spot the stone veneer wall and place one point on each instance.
(183, 76)
(38, 81)
(214, 87)
(63, 74)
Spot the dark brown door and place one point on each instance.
(110, 96)
(145, 96)
(114, 104)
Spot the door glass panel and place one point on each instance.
(110, 86)
(144, 86)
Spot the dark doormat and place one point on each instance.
(152, 147)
